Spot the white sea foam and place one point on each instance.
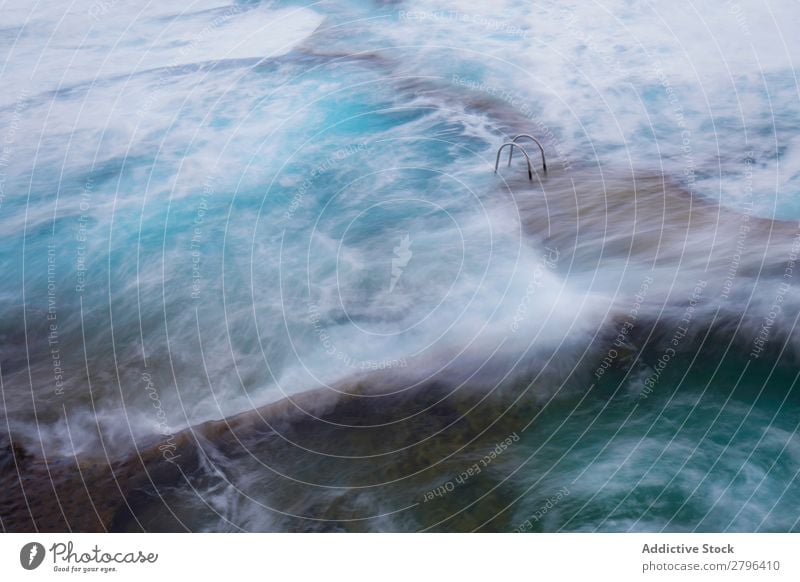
(142, 117)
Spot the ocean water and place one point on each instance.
(211, 210)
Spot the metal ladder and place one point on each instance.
(512, 144)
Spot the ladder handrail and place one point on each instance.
(528, 136)
(513, 145)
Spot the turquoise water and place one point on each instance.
(702, 454)
(277, 197)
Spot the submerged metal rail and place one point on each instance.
(513, 145)
(538, 143)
